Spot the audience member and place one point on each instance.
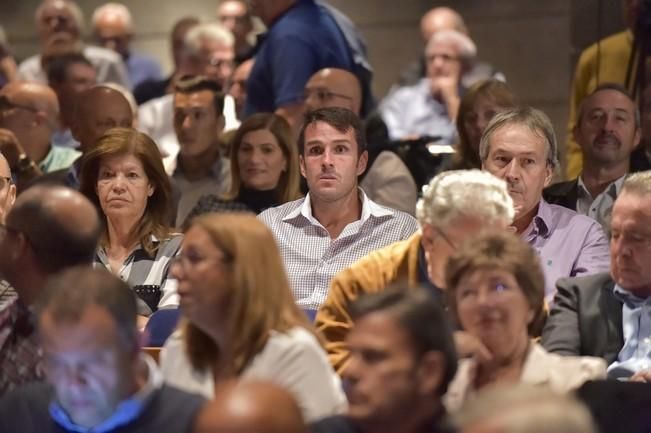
(236, 17)
(429, 108)
(124, 177)
(48, 230)
(336, 223)
(605, 315)
(237, 87)
(435, 20)
(113, 29)
(607, 130)
(198, 121)
(641, 156)
(152, 89)
(98, 378)
(7, 189)
(605, 61)
(456, 206)
(524, 409)
(251, 407)
(496, 289)
(520, 147)
(387, 180)
(402, 358)
(303, 38)
(242, 321)
(8, 67)
(69, 75)
(264, 168)
(31, 112)
(481, 102)
(55, 17)
(208, 52)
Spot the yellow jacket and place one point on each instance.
(393, 265)
(597, 65)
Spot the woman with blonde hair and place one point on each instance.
(123, 176)
(241, 320)
(264, 168)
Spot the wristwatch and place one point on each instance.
(24, 164)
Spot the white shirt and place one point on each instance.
(294, 360)
(312, 258)
(600, 207)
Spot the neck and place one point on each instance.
(197, 167)
(522, 222)
(436, 268)
(29, 285)
(335, 216)
(597, 178)
(39, 153)
(122, 236)
(506, 368)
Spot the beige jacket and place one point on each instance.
(560, 373)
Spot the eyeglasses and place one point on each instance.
(6, 105)
(190, 260)
(323, 95)
(220, 63)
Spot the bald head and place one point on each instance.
(332, 87)
(113, 27)
(97, 110)
(251, 407)
(7, 189)
(61, 225)
(441, 18)
(32, 114)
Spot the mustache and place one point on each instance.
(609, 138)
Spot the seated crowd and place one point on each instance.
(244, 246)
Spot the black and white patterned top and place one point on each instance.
(312, 258)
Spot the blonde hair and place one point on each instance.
(260, 299)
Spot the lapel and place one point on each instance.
(563, 194)
(611, 309)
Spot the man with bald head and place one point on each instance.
(251, 407)
(56, 17)
(50, 228)
(31, 112)
(113, 29)
(387, 181)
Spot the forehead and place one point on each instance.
(442, 47)
(211, 46)
(517, 138)
(381, 331)
(321, 131)
(231, 8)
(94, 330)
(202, 98)
(633, 206)
(609, 99)
(55, 9)
(198, 238)
(123, 159)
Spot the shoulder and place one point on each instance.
(615, 42)
(99, 54)
(560, 188)
(277, 213)
(569, 218)
(178, 399)
(593, 285)
(333, 424)
(296, 341)
(34, 397)
(171, 245)
(561, 373)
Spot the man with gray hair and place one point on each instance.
(64, 17)
(429, 108)
(113, 30)
(520, 147)
(98, 380)
(609, 314)
(208, 51)
(455, 207)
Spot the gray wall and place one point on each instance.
(534, 43)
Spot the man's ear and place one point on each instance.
(549, 174)
(428, 234)
(637, 137)
(431, 372)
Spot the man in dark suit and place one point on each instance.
(608, 130)
(609, 315)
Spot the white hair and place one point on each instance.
(207, 31)
(457, 193)
(466, 48)
(113, 9)
(638, 183)
(75, 11)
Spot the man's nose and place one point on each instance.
(512, 169)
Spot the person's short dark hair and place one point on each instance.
(422, 317)
(341, 119)
(57, 67)
(199, 83)
(68, 294)
(57, 245)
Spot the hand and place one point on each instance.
(642, 376)
(446, 87)
(10, 147)
(469, 346)
(8, 68)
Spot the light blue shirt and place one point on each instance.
(635, 355)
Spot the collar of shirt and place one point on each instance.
(542, 222)
(612, 189)
(103, 257)
(630, 300)
(126, 412)
(216, 170)
(369, 209)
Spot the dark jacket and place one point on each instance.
(563, 194)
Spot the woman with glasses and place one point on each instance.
(496, 291)
(123, 176)
(264, 168)
(241, 320)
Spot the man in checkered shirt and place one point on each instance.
(336, 223)
(50, 228)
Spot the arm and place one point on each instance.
(561, 333)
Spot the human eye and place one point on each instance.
(340, 148)
(465, 293)
(501, 160)
(315, 150)
(133, 175)
(105, 174)
(528, 161)
(267, 150)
